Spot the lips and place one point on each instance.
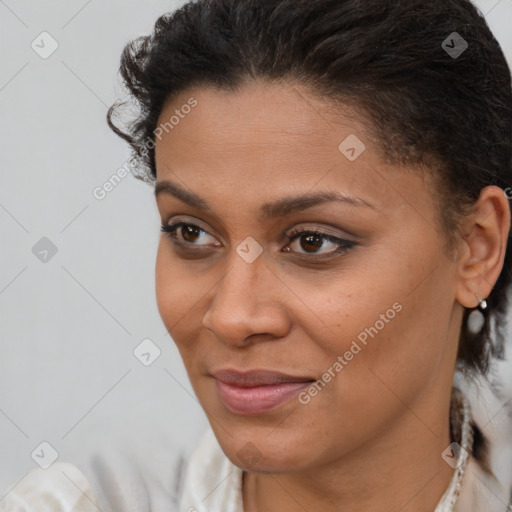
(254, 378)
(257, 391)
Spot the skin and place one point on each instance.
(372, 438)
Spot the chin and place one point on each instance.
(254, 450)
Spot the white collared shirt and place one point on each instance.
(208, 482)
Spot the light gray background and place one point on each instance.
(69, 326)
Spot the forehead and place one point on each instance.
(256, 113)
(268, 138)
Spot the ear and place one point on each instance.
(485, 232)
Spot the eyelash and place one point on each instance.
(343, 245)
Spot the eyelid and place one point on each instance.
(342, 242)
(172, 228)
(319, 228)
(324, 231)
(189, 221)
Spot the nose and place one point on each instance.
(248, 304)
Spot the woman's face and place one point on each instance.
(365, 307)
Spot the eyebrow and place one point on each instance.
(271, 210)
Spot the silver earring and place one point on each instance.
(482, 303)
(476, 318)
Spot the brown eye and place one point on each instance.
(312, 242)
(190, 233)
(186, 235)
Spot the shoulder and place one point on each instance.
(60, 488)
(134, 480)
(114, 478)
(481, 491)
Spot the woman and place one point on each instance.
(331, 178)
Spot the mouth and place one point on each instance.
(257, 391)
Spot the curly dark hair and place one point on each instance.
(424, 105)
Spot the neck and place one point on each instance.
(401, 470)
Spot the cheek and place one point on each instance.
(177, 292)
(165, 287)
(182, 297)
(355, 304)
(391, 318)
(382, 353)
